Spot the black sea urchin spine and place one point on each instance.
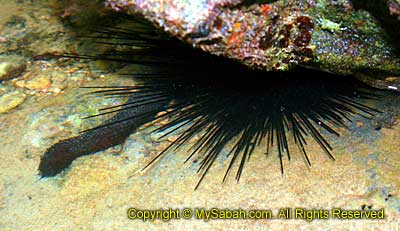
(222, 101)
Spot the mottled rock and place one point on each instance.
(11, 100)
(38, 83)
(344, 37)
(11, 66)
(5, 89)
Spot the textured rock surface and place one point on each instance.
(330, 35)
(11, 100)
(11, 66)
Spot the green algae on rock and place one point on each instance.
(329, 35)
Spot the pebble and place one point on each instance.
(58, 81)
(11, 66)
(2, 90)
(11, 100)
(38, 83)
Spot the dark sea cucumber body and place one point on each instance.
(112, 132)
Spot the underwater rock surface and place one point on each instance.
(334, 36)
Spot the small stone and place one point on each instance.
(38, 83)
(2, 89)
(11, 66)
(58, 81)
(161, 113)
(6, 89)
(11, 100)
(72, 70)
(59, 77)
(20, 83)
(55, 90)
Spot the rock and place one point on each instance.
(11, 66)
(11, 100)
(342, 37)
(38, 83)
(4, 89)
